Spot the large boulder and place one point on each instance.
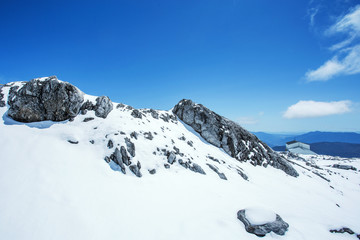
(44, 99)
(276, 225)
(103, 106)
(230, 136)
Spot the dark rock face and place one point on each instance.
(171, 157)
(148, 135)
(136, 169)
(215, 169)
(117, 158)
(73, 141)
(110, 144)
(88, 119)
(231, 137)
(40, 100)
(103, 106)
(2, 102)
(136, 114)
(344, 167)
(342, 230)
(278, 226)
(130, 147)
(124, 156)
(196, 168)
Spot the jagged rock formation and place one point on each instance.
(102, 107)
(228, 135)
(44, 99)
(278, 226)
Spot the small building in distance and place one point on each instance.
(299, 148)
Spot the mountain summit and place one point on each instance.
(76, 166)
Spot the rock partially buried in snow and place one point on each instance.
(261, 221)
(44, 99)
(228, 135)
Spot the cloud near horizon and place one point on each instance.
(312, 109)
(346, 60)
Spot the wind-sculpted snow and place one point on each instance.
(228, 135)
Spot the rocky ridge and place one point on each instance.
(51, 99)
(228, 135)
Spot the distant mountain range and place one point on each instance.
(343, 144)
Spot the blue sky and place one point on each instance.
(275, 66)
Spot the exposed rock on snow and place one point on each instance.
(171, 157)
(228, 135)
(110, 144)
(2, 102)
(196, 168)
(88, 119)
(103, 106)
(136, 169)
(130, 147)
(124, 156)
(344, 167)
(277, 226)
(44, 99)
(117, 158)
(215, 169)
(136, 114)
(148, 135)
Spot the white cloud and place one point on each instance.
(246, 120)
(348, 23)
(311, 109)
(347, 55)
(312, 13)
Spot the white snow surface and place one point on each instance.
(51, 189)
(259, 216)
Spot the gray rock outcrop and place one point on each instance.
(344, 167)
(117, 158)
(215, 169)
(130, 147)
(136, 169)
(229, 136)
(2, 102)
(171, 157)
(44, 99)
(103, 106)
(278, 226)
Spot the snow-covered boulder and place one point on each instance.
(260, 222)
(230, 136)
(44, 99)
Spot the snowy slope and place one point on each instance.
(53, 189)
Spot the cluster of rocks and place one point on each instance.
(345, 230)
(279, 226)
(51, 99)
(102, 107)
(122, 158)
(229, 136)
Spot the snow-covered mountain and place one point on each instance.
(75, 166)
